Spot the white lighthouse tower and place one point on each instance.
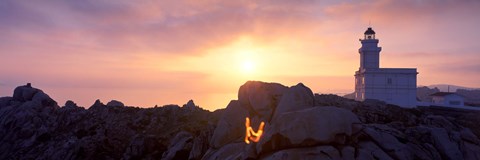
(392, 85)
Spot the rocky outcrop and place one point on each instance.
(319, 125)
(295, 98)
(320, 152)
(307, 126)
(297, 125)
(260, 97)
(33, 126)
(179, 147)
(230, 128)
(115, 103)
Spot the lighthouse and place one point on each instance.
(393, 85)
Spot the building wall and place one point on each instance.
(387, 85)
(448, 100)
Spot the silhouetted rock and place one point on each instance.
(320, 152)
(295, 98)
(305, 126)
(308, 127)
(115, 103)
(190, 105)
(24, 93)
(387, 139)
(231, 126)
(5, 101)
(33, 128)
(70, 104)
(179, 147)
(261, 97)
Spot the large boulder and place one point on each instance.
(231, 126)
(201, 144)
(308, 127)
(295, 98)
(24, 93)
(97, 105)
(382, 135)
(179, 147)
(70, 104)
(261, 97)
(44, 99)
(369, 150)
(444, 143)
(320, 152)
(115, 103)
(229, 151)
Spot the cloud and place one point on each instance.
(185, 27)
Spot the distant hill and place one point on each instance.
(472, 97)
(453, 88)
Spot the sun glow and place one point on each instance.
(248, 66)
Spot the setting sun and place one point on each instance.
(248, 66)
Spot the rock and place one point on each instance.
(97, 105)
(229, 151)
(70, 104)
(447, 148)
(348, 152)
(467, 135)
(5, 101)
(388, 142)
(31, 128)
(190, 105)
(425, 151)
(231, 126)
(261, 97)
(200, 145)
(295, 98)
(24, 93)
(308, 127)
(368, 150)
(334, 100)
(439, 122)
(471, 151)
(374, 111)
(115, 103)
(135, 149)
(43, 98)
(179, 147)
(320, 152)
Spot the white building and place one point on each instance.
(447, 99)
(396, 86)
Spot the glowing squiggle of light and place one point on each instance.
(250, 134)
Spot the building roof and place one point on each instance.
(442, 94)
(369, 31)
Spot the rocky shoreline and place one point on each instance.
(298, 125)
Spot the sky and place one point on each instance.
(146, 53)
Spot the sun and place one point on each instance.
(248, 66)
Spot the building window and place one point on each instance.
(389, 81)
